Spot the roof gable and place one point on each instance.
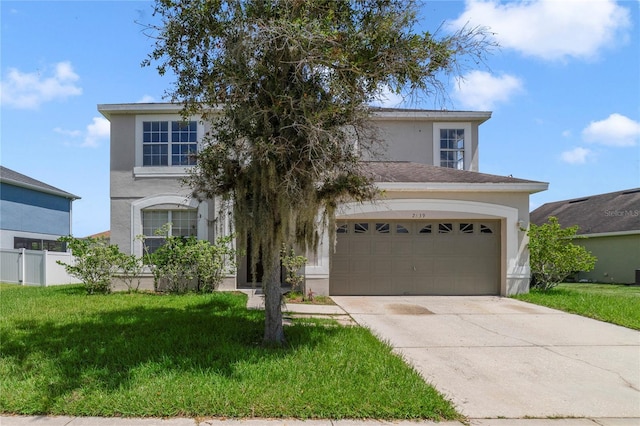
(604, 213)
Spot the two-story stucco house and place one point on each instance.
(33, 214)
(440, 228)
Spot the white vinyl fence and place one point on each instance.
(34, 267)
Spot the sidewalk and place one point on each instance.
(118, 421)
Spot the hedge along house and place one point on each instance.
(439, 227)
(609, 227)
(33, 214)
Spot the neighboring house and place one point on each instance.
(610, 227)
(440, 228)
(105, 235)
(33, 214)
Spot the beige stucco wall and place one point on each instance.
(126, 188)
(412, 140)
(618, 258)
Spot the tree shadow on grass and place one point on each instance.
(109, 350)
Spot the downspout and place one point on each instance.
(70, 216)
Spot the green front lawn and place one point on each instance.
(63, 352)
(617, 304)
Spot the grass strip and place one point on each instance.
(617, 304)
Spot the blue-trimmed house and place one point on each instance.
(33, 214)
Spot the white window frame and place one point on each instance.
(170, 219)
(139, 169)
(165, 202)
(466, 152)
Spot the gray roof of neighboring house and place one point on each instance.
(404, 171)
(612, 212)
(18, 179)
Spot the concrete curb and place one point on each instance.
(180, 421)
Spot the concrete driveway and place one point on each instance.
(499, 357)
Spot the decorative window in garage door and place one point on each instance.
(401, 229)
(426, 229)
(486, 229)
(445, 228)
(382, 228)
(466, 228)
(418, 227)
(361, 228)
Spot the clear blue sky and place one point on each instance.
(564, 89)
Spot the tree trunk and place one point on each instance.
(273, 330)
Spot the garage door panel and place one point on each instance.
(343, 248)
(422, 244)
(446, 245)
(381, 247)
(361, 266)
(444, 266)
(402, 266)
(478, 266)
(339, 265)
(401, 246)
(424, 265)
(382, 265)
(469, 286)
(453, 259)
(360, 246)
(381, 284)
(442, 285)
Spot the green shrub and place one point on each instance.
(182, 264)
(553, 256)
(130, 269)
(292, 265)
(95, 262)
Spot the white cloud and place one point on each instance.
(481, 90)
(616, 130)
(146, 99)
(385, 98)
(97, 130)
(30, 90)
(577, 155)
(71, 133)
(550, 29)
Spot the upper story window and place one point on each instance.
(452, 142)
(166, 144)
(452, 148)
(169, 143)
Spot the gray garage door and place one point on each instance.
(442, 257)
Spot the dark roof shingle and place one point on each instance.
(612, 212)
(403, 171)
(18, 179)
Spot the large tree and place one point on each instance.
(287, 86)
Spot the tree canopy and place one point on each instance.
(287, 85)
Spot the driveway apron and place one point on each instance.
(499, 357)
